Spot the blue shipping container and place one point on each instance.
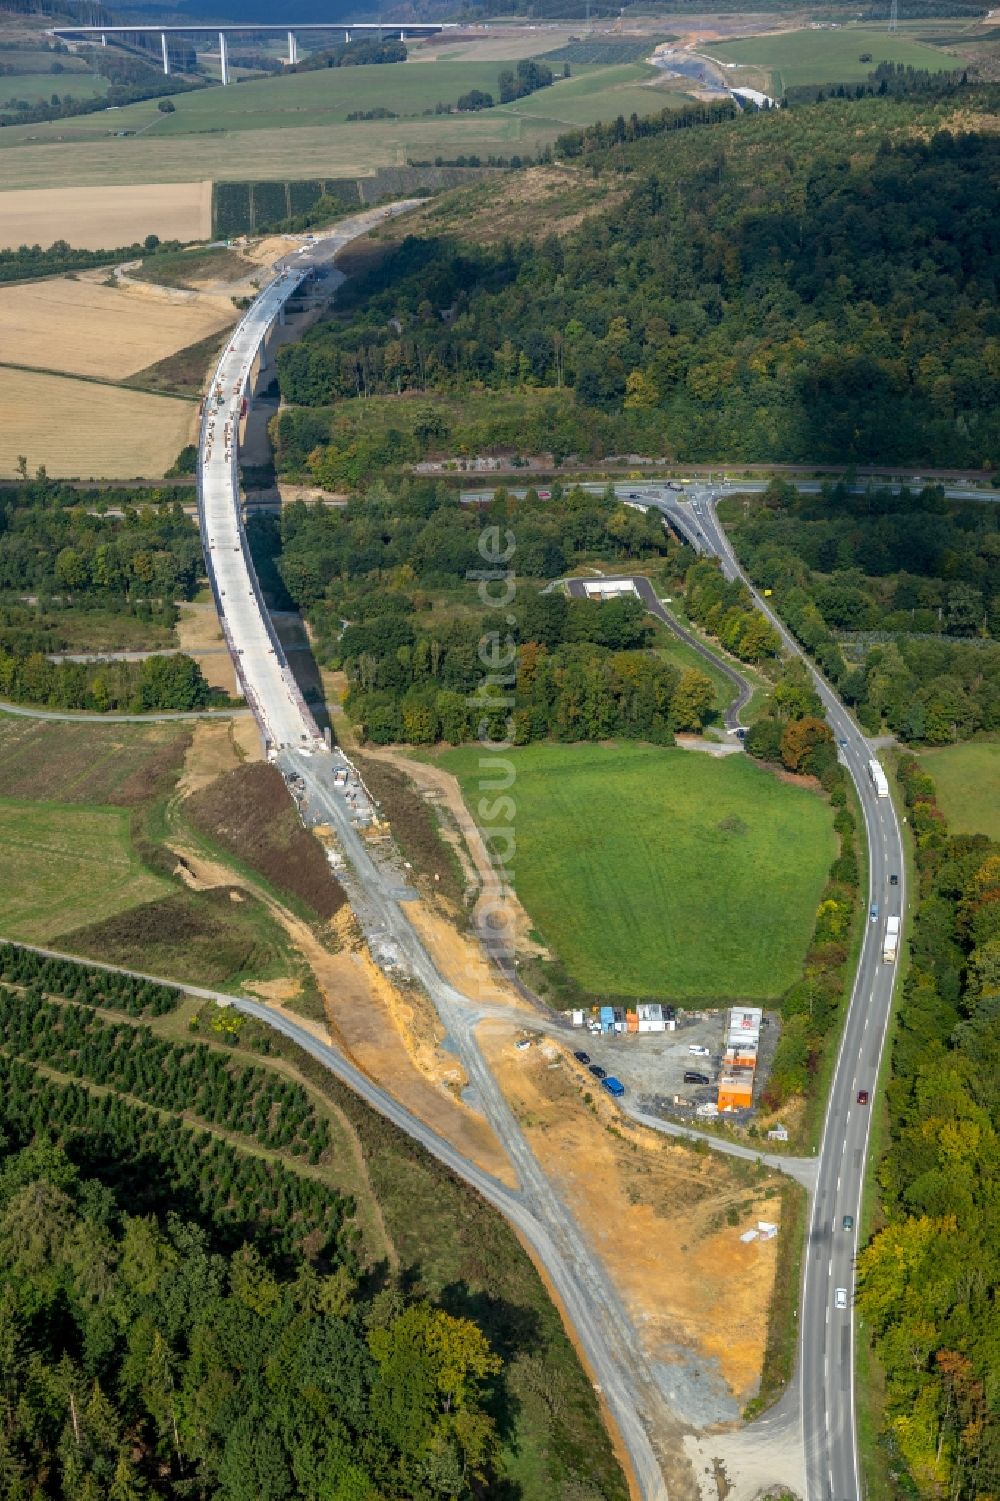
(613, 1086)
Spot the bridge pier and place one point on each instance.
(166, 53)
(104, 39)
(293, 49)
(223, 58)
(347, 36)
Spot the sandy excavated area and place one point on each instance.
(656, 1214)
(392, 1035)
(104, 218)
(200, 635)
(80, 430)
(442, 790)
(217, 747)
(86, 328)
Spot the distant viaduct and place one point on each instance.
(89, 33)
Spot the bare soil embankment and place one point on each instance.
(249, 813)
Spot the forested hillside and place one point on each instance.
(193, 1306)
(929, 1280)
(818, 283)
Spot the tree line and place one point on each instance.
(896, 596)
(793, 734)
(84, 983)
(157, 683)
(364, 52)
(653, 313)
(929, 1278)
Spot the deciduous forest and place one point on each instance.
(401, 570)
(929, 1278)
(808, 284)
(79, 569)
(897, 596)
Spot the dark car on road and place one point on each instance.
(690, 1077)
(848, 1222)
(894, 879)
(582, 1057)
(862, 1097)
(598, 1072)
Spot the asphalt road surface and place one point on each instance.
(605, 1333)
(826, 1330)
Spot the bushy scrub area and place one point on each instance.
(792, 734)
(895, 594)
(814, 284)
(929, 1278)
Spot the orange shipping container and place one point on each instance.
(736, 1089)
(632, 1020)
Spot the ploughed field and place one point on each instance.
(659, 872)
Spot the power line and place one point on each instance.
(894, 16)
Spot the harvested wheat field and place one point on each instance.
(86, 328)
(81, 430)
(103, 218)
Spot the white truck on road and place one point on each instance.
(891, 944)
(878, 778)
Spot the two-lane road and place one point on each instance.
(826, 1331)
